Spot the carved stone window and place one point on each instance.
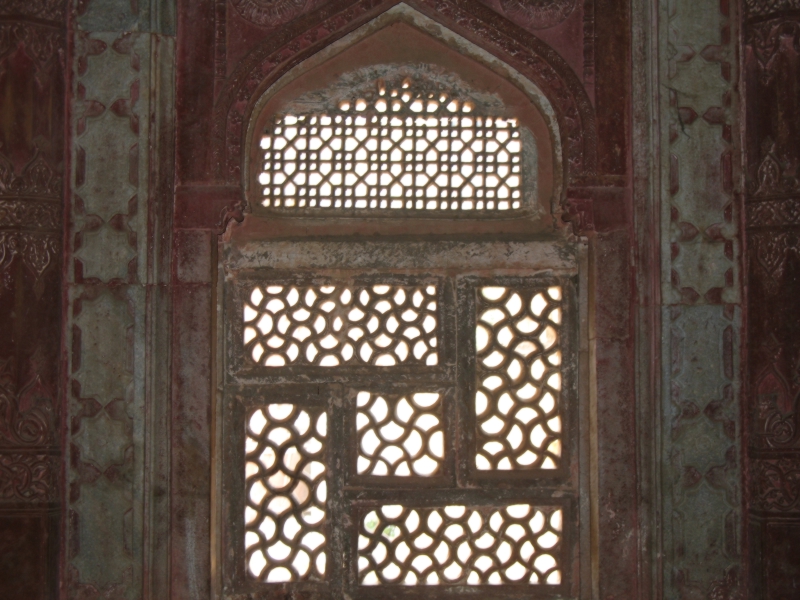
(398, 146)
(399, 405)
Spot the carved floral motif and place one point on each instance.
(36, 249)
(775, 45)
(766, 39)
(772, 213)
(29, 477)
(26, 412)
(776, 418)
(51, 10)
(28, 214)
(771, 251)
(41, 43)
(37, 179)
(270, 13)
(777, 484)
(538, 14)
(761, 8)
(233, 212)
(772, 177)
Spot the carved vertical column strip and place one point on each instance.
(32, 46)
(771, 63)
(118, 292)
(701, 296)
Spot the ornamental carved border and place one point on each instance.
(42, 43)
(777, 484)
(774, 170)
(30, 214)
(762, 8)
(27, 417)
(29, 477)
(51, 10)
(477, 22)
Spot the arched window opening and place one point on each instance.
(398, 146)
(394, 122)
(400, 413)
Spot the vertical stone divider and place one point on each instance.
(33, 40)
(701, 298)
(647, 252)
(118, 257)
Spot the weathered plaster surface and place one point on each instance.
(121, 113)
(701, 295)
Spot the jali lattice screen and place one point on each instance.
(403, 149)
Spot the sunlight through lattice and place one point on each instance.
(286, 493)
(399, 435)
(382, 325)
(404, 149)
(457, 545)
(517, 403)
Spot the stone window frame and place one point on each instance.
(244, 389)
(240, 386)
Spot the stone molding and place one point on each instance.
(304, 36)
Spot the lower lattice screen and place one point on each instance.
(458, 545)
(286, 493)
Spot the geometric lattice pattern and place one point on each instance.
(285, 493)
(458, 545)
(399, 435)
(518, 378)
(401, 149)
(381, 325)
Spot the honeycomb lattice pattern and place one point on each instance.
(518, 378)
(380, 325)
(457, 545)
(285, 494)
(399, 435)
(404, 149)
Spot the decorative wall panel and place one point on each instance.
(701, 319)
(772, 161)
(121, 92)
(32, 45)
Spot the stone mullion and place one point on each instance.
(701, 299)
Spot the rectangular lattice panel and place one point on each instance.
(402, 149)
(458, 545)
(285, 493)
(518, 378)
(333, 325)
(400, 434)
